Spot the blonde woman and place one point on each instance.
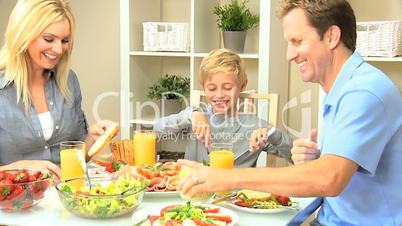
(40, 97)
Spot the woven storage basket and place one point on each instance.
(379, 38)
(160, 36)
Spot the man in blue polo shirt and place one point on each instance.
(358, 169)
(362, 113)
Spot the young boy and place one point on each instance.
(222, 76)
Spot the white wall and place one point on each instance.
(96, 56)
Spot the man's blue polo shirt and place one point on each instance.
(362, 122)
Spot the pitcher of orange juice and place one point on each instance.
(144, 147)
(221, 157)
(72, 161)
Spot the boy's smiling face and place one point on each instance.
(222, 91)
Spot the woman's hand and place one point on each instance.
(305, 150)
(97, 130)
(201, 127)
(35, 165)
(258, 139)
(204, 179)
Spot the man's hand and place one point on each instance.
(305, 150)
(203, 179)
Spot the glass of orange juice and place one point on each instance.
(221, 157)
(144, 147)
(72, 160)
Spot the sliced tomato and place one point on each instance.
(220, 217)
(145, 172)
(172, 222)
(242, 204)
(153, 218)
(202, 223)
(174, 166)
(211, 210)
(165, 209)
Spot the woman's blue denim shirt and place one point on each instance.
(21, 135)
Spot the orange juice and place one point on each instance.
(144, 148)
(222, 159)
(72, 161)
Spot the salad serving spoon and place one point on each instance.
(142, 221)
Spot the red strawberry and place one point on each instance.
(2, 175)
(10, 176)
(7, 204)
(283, 200)
(27, 203)
(37, 195)
(21, 176)
(31, 178)
(16, 197)
(37, 175)
(39, 186)
(6, 187)
(17, 194)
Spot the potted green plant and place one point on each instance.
(234, 19)
(170, 90)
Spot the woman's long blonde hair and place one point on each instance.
(27, 21)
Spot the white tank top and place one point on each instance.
(47, 124)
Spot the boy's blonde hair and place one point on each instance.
(27, 21)
(225, 61)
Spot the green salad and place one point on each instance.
(104, 198)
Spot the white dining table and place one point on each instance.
(50, 212)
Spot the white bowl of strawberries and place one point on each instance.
(23, 188)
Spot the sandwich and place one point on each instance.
(261, 200)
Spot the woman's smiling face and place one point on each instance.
(46, 50)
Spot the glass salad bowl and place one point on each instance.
(102, 197)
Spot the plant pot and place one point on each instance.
(170, 106)
(234, 40)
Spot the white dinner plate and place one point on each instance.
(254, 210)
(161, 194)
(141, 214)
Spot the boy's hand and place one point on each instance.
(201, 127)
(258, 139)
(305, 150)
